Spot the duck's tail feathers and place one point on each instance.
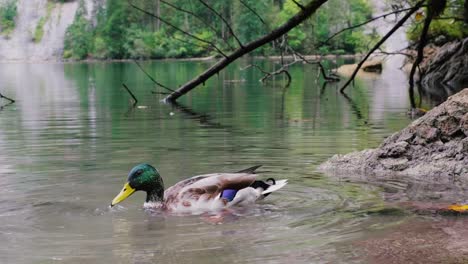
(278, 185)
(250, 170)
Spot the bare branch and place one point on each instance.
(396, 53)
(177, 28)
(135, 101)
(465, 11)
(253, 11)
(298, 4)
(283, 69)
(322, 69)
(382, 40)
(196, 16)
(420, 55)
(224, 20)
(163, 93)
(151, 78)
(365, 23)
(295, 20)
(7, 98)
(255, 66)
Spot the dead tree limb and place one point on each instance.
(267, 74)
(433, 9)
(302, 15)
(7, 98)
(465, 11)
(381, 41)
(177, 28)
(328, 78)
(151, 78)
(135, 100)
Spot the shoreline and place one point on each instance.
(195, 59)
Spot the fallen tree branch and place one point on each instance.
(381, 41)
(7, 98)
(328, 78)
(151, 78)
(267, 74)
(302, 15)
(420, 55)
(135, 100)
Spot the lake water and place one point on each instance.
(68, 142)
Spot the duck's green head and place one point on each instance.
(142, 177)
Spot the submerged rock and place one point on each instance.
(430, 154)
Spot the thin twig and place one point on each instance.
(298, 4)
(322, 68)
(365, 23)
(224, 20)
(7, 98)
(135, 100)
(151, 78)
(253, 11)
(177, 28)
(163, 93)
(197, 17)
(376, 46)
(282, 29)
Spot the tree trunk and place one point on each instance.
(465, 13)
(302, 15)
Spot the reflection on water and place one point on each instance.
(69, 141)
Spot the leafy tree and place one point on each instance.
(8, 12)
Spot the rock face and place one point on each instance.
(433, 149)
(448, 69)
(20, 45)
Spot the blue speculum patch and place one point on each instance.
(228, 194)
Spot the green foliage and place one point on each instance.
(448, 26)
(39, 30)
(79, 37)
(122, 32)
(297, 35)
(8, 12)
(327, 21)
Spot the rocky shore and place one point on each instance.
(431, 153)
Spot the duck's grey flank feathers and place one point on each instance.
(250, 170)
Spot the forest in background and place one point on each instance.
(122, 32)
(116, 30)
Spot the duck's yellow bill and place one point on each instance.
(124, 194)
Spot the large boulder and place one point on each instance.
(430, 153)
(446, 70)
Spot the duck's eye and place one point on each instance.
(138, 172)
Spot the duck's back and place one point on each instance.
(202, 193)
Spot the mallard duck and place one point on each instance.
(199, 193)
